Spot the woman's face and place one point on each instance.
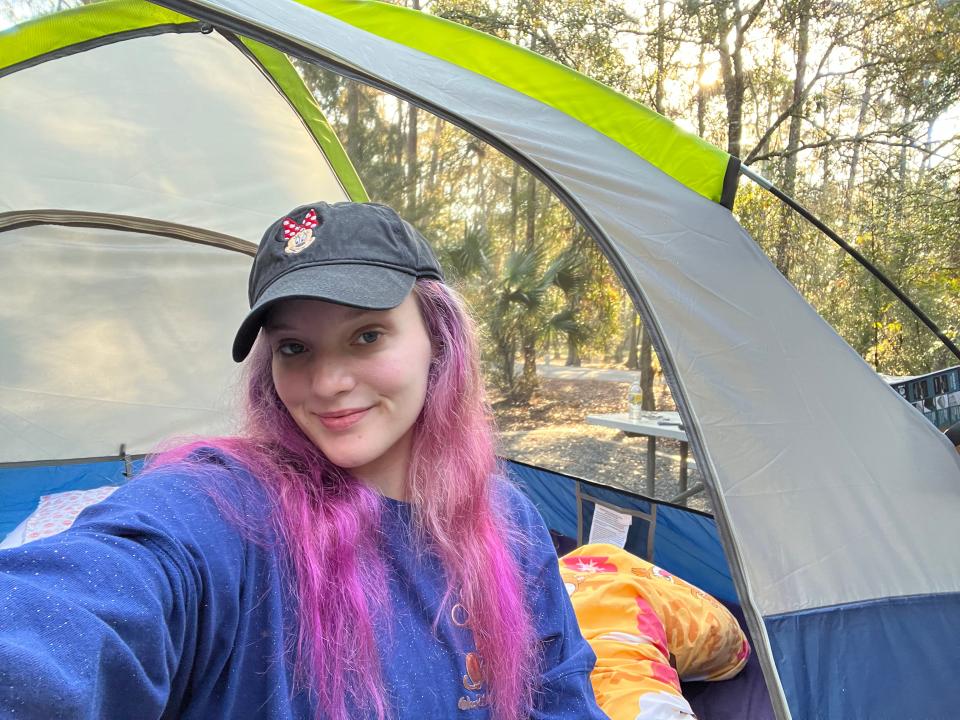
(354, 382)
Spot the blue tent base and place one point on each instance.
(889, 659)
(683, 541)
(21, 485)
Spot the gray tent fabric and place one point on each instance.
(176, 127)
(178, 135)
(127, 304)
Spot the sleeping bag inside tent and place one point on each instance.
(146, 146)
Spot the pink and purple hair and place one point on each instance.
(329, 522)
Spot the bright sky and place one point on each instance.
(11, 11)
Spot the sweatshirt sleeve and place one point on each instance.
(105, 620)
(564, 690)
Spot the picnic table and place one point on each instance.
(654, 424)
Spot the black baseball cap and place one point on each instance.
(359, 254)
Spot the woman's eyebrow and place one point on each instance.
(357, 313)
(272, 327)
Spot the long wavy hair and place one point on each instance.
(329, 524)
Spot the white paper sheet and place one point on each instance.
(609, 526)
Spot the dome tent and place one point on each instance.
(835, 500)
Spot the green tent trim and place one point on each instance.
(59, 31)
(101, 22)
(681, 155)
(292, 86)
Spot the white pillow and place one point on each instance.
(54, 514)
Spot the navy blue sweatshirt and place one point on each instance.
(154, 605)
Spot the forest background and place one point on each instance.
(853, 108)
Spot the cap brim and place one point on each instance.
(370, 287)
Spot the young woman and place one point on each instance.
(354, 553)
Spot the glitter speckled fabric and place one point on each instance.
(153, 606)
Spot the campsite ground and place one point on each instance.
(551, 432)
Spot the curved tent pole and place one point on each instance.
(126, 223)
(853, 252)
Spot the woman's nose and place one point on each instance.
(331, 377)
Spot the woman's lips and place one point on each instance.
(342, 419)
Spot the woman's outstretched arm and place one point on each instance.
(110, 619)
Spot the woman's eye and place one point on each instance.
(369, 337)
(290, 348)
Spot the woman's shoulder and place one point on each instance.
(530, 538)
(202, 473)
(201, 496)
(511, 500)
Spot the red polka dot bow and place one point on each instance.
(292, 227)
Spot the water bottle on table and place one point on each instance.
(635, 401)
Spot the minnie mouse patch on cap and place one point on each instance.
(299, 236)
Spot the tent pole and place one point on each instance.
(887, 283)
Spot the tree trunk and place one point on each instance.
(527, 385)
(531, 231)
(354, 132)
(434, 156)
(412, 165)
(661, 70)
(647, 401)
(789, 186)
(796, 119)
(855, 157)
(573, 352)
(731, 66)
(928, 145)
(827, 185)
(701, 95)
(507, 352)
(633, 362)
(731, 17)
(481, 194)
(902, 165)
(514, 206)
(528, 381)
(626, 311)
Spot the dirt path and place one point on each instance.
(551, 432)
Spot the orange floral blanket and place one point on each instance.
(649, 630)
